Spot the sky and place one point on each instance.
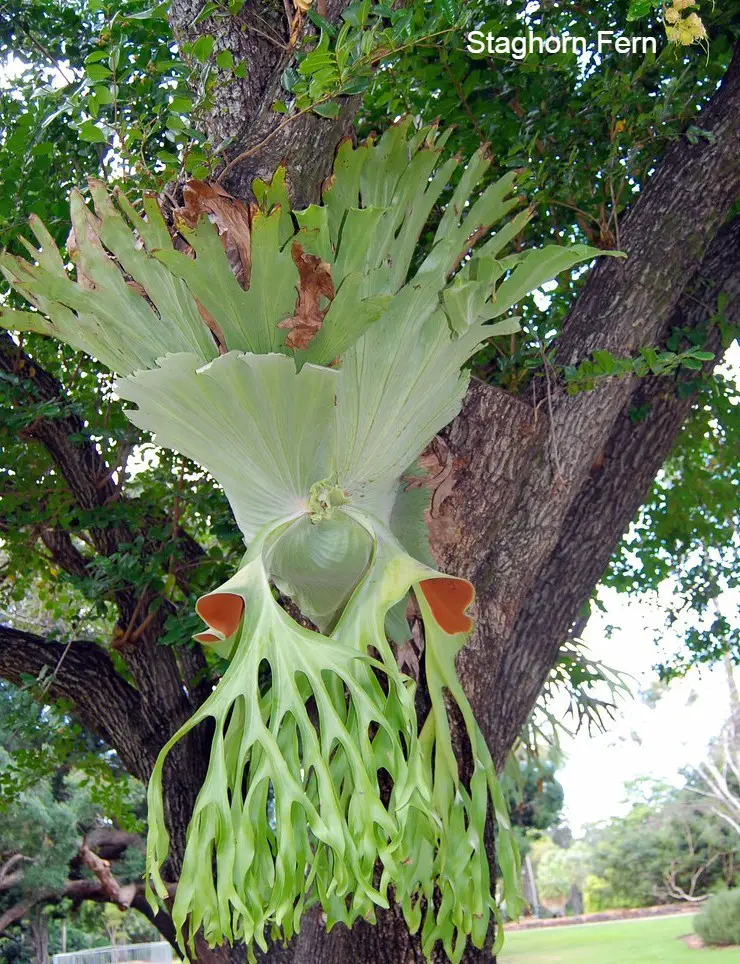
(643, 741)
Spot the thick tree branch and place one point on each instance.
(63, 551)
(10, 874)
(17, 912)
(84, 674)
(122, 895)
(82, 466)
(154, 668)
(666, 235)
(78, 460)
(618, 484)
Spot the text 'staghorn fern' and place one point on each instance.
(322, 786)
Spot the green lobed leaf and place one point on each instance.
(273, 426)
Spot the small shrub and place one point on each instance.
(719, 920)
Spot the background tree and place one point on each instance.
(559, 441)
(717, 778)
(666, 849)
(71, 832)
(534, 794)
(561, 872)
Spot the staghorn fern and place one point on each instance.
(308, 411)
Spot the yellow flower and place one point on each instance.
(698, 29)
(689, 30)
(683, 30)
(673, 34)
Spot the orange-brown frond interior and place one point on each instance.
(206, 638)
(222, 611)
(448, 599)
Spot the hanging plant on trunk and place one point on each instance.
(298, 357)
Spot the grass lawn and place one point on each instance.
(646, 941)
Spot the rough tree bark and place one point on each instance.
(260, 139)
(545, 484)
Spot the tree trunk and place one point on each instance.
(40, 932)
(386, 942)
